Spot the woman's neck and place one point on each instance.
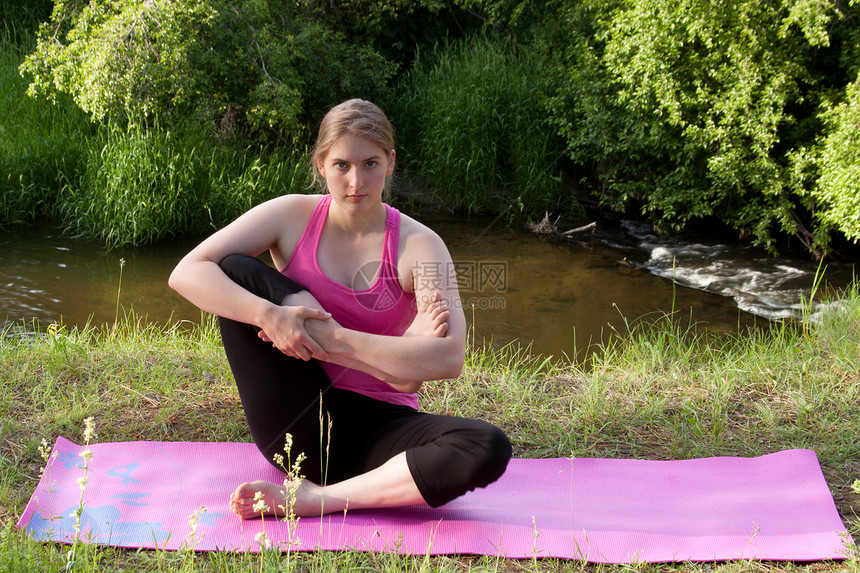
(360, 222)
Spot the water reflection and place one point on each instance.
(560, 297)
(48, 277)
(564, 296)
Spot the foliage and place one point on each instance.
(398, 29)
(682, 110)
(119, 57)
(475, 127)
(512, 15)
(688, 109)
(837, 190)
(129, 62)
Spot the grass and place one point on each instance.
(142, 186)
(473, 125)
(41, 143)
(661, 392)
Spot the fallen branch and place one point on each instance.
(549, 228)
(589, 227)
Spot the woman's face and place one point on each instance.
(355, 169)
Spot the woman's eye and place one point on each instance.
(340, 165)
(370, 163)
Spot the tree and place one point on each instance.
(238, 63)
(837, 189)
(689, 109)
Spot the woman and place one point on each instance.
(363, 310)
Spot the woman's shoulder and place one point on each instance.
(418, 240)
(293, 201)
(286, 217)
(286, 210)
(414, 228)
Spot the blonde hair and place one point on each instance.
(355, 117)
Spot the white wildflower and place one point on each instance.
(299, 459)
(89, 429)
(263, 540)
(194, 519)
(260, 505)
(45, 450)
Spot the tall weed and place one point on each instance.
(837, 328)
(41, 143)
(141, 186)
(474, 125)
(20, 19)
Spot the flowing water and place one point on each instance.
(558, 296)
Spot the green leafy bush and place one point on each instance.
(837, 190)
(239, 63)
(687, 109)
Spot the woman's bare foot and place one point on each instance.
(431, 320)
(389, 485)
(260, 498)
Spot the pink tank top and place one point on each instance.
(384, 308)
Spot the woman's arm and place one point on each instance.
(407, 361)
(199, 278)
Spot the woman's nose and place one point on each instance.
(355, 180)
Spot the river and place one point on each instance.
(559, 297)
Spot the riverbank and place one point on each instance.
(664, 392)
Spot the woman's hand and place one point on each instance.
(285, 328)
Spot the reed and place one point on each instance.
(141, 186)
(472, 123)
(19, 20)
(124, 187)
(116, 186)
(41, 143)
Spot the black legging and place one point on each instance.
(447, 456)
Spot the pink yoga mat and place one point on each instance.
(777, 507)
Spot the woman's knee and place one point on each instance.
(481, 453)
(475, 455)
(235, 266)
(497, 452)
(255, 276)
